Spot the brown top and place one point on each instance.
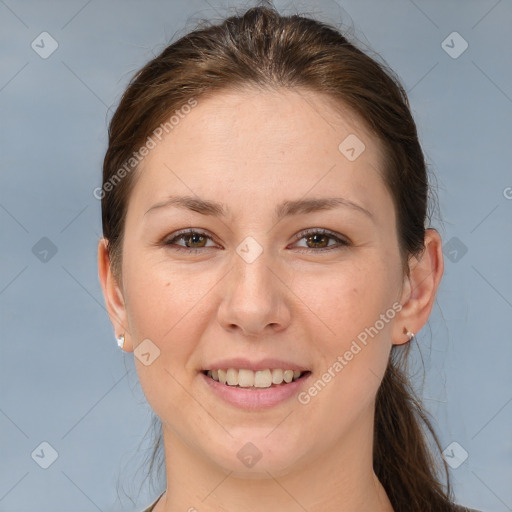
(459, 508)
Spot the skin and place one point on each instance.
(252, 150)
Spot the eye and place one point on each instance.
(319, 238)
(194, 240)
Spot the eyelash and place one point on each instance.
(308, 232)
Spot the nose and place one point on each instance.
(255, 299)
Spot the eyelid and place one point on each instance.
(321, 231)
(341, 240)
(182, 233)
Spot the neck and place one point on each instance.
(341, 479)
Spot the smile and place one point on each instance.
(245, 378)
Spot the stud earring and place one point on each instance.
(120, 341)
(409, 333)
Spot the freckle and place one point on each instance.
(167, 284)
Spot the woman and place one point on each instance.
(266, 258)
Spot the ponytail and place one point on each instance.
(402, 458)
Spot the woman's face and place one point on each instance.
(274, 270)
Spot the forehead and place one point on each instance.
(258, 143)
(297, 119)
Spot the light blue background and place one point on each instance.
(63, 379)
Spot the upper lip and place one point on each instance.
(263, 364)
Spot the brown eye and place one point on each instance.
(319, 240)
(193, 240)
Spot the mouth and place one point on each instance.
(260, 379)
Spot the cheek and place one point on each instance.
(165, 307)
(344, 301)
(353, 310)
(162, 297)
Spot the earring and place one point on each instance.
(120, 341)
(409, 333)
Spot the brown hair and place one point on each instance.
(263, 49)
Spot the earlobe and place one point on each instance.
(420, 288)
(113, 296)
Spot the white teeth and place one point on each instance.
(232, 376)
(262, 379)
(245, 378)
(250, 379)
(277, 376)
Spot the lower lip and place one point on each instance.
(255, 398)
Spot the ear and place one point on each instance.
(112, 292)
(420, 288)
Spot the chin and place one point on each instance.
(255, 457)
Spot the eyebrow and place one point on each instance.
(285, 209)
